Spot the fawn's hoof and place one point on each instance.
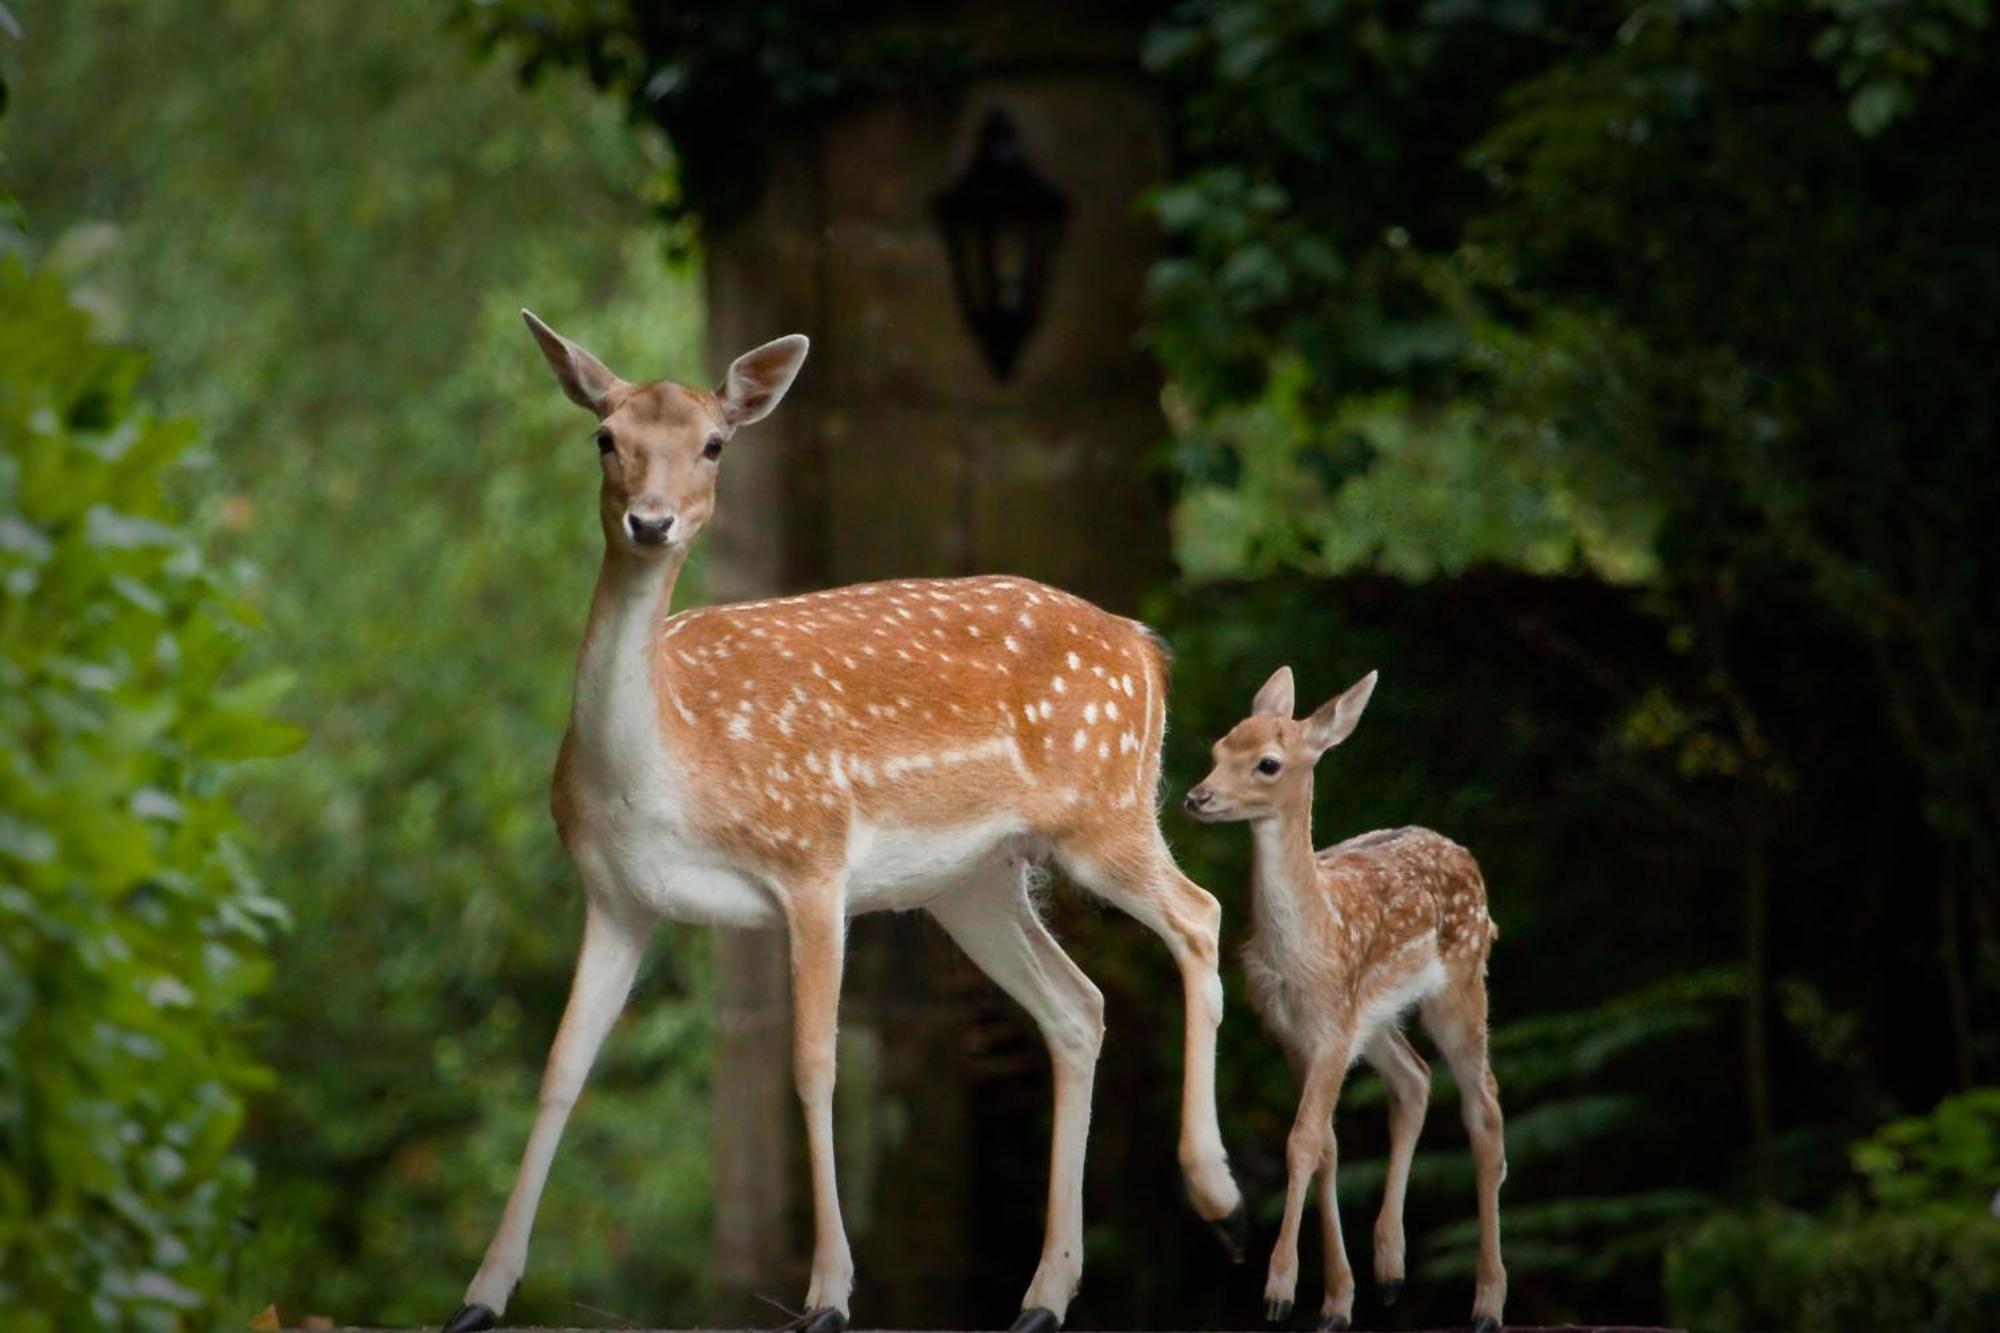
(1485, 1323)
(470, 1319)
(1390, 1290)
(826, 1319)
(1035, 1319)
(1277, 1312)
(1233, 1230)
(1334, 1323)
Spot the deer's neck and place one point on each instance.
(1285, 879)
(615, 685)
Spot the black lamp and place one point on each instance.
(1001, 223)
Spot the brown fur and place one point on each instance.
(927, 703)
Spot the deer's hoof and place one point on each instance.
(1233, 1230)
(1277, 1312)
(1334, 1323)
(1485, 1323)
(470, 1319)
(823, 1320)
(1391, 1290)
(1036, 1319)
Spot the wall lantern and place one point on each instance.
(1001, 224)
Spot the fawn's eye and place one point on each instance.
(604, 442)
(1268, 766)
(713, 449)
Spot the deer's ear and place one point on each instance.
(1277, 697)
(582, 376)
(757, 380)
(1334, 722)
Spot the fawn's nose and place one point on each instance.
(648, 529)
(1199, 799)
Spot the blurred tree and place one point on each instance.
(324, 218)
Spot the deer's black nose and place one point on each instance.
(649, 530)
(1199, 798)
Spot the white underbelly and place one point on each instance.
(895, 869)
(646, 860)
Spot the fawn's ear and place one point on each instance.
(582, 376)
(1277, 696)
(1335, 720)
(757, 380)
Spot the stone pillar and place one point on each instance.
(898, 454)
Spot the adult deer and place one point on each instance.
(1347, 939)
(793, 763)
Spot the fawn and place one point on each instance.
(1346, 939)
(792, 763)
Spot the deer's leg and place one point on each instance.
(605, 966)
(1336, 1311)
(1137, 875)
(817, 918)
(994, 921)
(1456, 1019)
(1408, 1081)
(1310, 1151)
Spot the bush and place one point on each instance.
(1741, 1271)
(1949, 1157)
(1936, 1270)
(130, 927)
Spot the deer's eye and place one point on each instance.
(604, 442)
(713, 449)
(1268, 766)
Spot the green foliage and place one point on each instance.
(1379, 486)
(1949, 1157)
(1926, 1257)
(1884, 50)
(325, 218)
(131, 928)
(1936, 1271)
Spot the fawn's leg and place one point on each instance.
(1408, 1081)
(1456, 1019)
(1336, 1309)
(817, 918)
(1132, 869)
(605, 965)
(994, 921)
(1309, 1150)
